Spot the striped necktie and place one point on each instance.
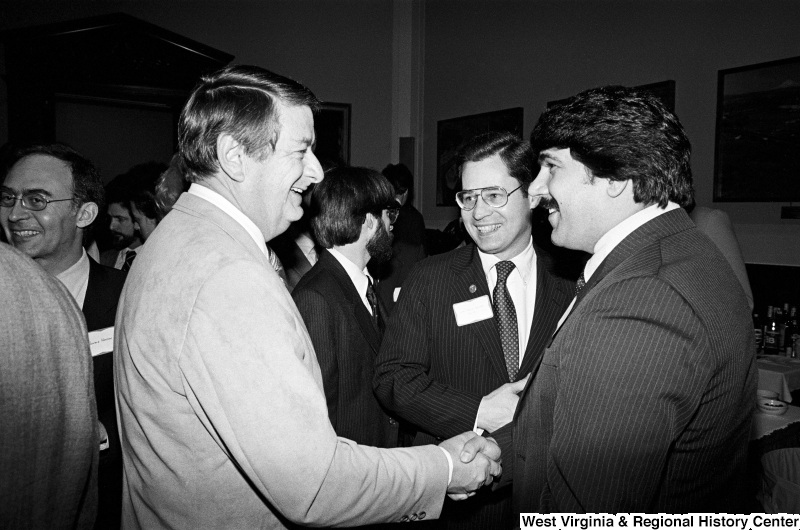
(129, 257)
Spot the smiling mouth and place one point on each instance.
(297, 190)
(23, 234)
(549, 204)
(488, 229)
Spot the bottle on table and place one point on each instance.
(758, 331)
(772, 332)
(791, 339)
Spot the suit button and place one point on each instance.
(404, 519)
(392, 421)
(414, 517)
(422, 515)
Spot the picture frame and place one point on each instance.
(453, 132)
(332, 130)
(663, 90)
(757, 142)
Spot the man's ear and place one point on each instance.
(616, 187)
(87, 213)
(370, 220)
(230, 156)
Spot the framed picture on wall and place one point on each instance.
(332, 129)
(757, 154)
(663, 90)
(451, 133)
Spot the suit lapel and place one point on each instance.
(96, 303)
(551, 302)
(355, 305)
(470, 283)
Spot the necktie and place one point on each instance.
(129, 257)
(579, 285)
(506, 319)
(372, 298)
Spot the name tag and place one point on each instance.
(101, 341)
(473, 310)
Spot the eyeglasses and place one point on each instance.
(392, 212)
(494, 196)
(30, 201)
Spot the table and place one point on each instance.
(765, 424)
(779, 374)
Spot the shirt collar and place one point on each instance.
(523, 262)
(360, 278)
(75, 277)
(225, 205)
(614, 237)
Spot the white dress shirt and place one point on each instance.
(122, 256)
(225, 205)
(76, 279)
(614, 237)
(521, 284)
(360, 278)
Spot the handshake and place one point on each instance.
(476, 463)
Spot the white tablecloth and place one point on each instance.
(779, 374)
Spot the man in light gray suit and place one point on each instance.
(222, 411)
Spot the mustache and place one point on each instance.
(548, 202)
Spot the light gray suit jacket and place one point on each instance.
(222, 412)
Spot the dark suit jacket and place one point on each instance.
(433, 373)
(643, 401)
(346, 343)
(99, 310)
(294, 261)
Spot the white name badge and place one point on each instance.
(101, 341)
(473, 310)
(395, 294)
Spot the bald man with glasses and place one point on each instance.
(470, 324)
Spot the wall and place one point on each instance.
(489, 55)
(341, 49)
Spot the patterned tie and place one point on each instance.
(506, 319)
(579, 285)
(129, 257)
(377, 321)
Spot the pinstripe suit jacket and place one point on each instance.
(433, 373)
(346, 342)
(643, 401)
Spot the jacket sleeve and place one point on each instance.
(403, 381)
(320, 322)
(251, 384)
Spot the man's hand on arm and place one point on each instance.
(473, 468)
(497, 408)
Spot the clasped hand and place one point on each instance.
(497, 409)
(476, 462)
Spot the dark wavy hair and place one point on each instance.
(86, 183)
(515, 153)
(341, 202)
(622, 133)
(239, 100)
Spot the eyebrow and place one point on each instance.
(26, 191)
(546, 157)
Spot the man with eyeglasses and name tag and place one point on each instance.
(469, 324)
(48, 201)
